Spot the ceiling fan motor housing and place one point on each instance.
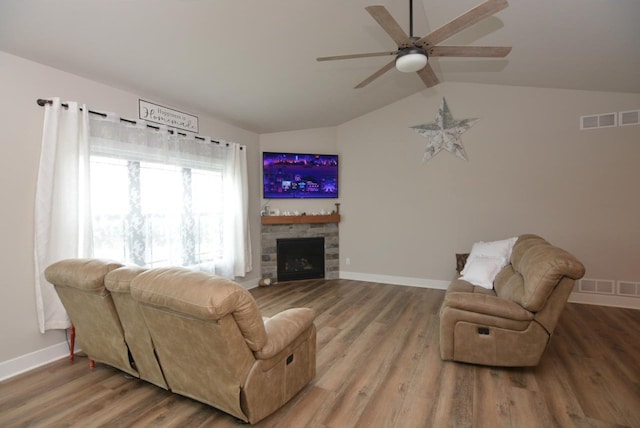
(411, 59)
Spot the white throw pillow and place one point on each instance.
(497, 249)
(481, 271)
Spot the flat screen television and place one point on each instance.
(299, 175)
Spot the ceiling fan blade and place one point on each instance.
(364, 55)
(467, 19)
(470, 51)
(377, 74)
(390, 25)
(428, 76)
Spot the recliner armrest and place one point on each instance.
(284, 328)
(488, 305)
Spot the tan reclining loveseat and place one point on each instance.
(195, 334)
(512, 324)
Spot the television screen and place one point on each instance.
(297, 175)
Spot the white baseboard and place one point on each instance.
(249, 284)
(591, 299)
(396, 280)
(32, 360)
(605, 300)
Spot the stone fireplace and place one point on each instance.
(298, 229)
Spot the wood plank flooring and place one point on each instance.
(378, 365)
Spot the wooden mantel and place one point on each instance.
(300, 219)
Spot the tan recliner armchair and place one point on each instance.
(214, 346)
(512, 324)
(80, 286)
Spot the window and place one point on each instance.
(162, 200)
(154, 215)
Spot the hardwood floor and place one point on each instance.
(378, 365)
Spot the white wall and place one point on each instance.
(529, 170)
(21, 83)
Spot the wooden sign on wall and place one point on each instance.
(167, 116)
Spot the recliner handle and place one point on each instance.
(483, 330)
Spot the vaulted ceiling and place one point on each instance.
(252, 62)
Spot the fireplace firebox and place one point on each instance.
(300, 258)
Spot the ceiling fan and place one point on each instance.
(413, 52)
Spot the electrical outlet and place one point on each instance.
(347, 261)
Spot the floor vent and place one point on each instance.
(629, 288)
(631, 117)
(606, 120)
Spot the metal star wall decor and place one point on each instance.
(444, 133)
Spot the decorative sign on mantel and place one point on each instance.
(167, 116)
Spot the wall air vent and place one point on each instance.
(629, 288)
(596, 286)
(606, 120)
(588, 122)
(631, 117)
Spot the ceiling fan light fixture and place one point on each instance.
(412, 60)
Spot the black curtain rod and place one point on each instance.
(41, 102)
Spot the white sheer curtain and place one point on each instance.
(169, 200)
(124, 191)
(62, 212)
(239, 258)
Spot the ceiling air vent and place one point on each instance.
(631, 117)
(606, 120)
